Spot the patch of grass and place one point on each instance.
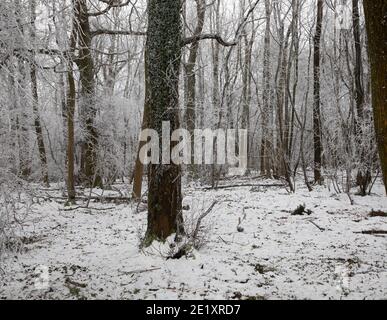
(136, 291)
(74, 291)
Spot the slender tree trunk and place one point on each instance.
(215, 83)
(139, 167)
(266, 143)
(316, 94)
(70, 108)
(163, 56)
(70, 135)
(35, 102)
(190, 114)
(376, 22)
(248, 47)
(20, 74)
(364, 175)
(88, 100)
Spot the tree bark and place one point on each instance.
(316, 94)
(364, 175)
(88, 100)
(266, 144)
(163, 56)
(70, 108)
(376, 23)
(70, 134)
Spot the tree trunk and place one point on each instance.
(70, 134)
(139, 167)
(190, 114)
(22, 125)
(376, 23)
(246, 93)
(316, 94)
(266, 143)
(35, 102)
(70, 108)
(364, 175)
(163, 56)
(88, 100)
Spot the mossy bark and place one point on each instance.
(163, 55)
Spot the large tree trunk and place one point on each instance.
(163, 55)
(316, 96)
(376, 22)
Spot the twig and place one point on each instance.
(86, 207)
(195, 233)
(139, 271)
(317, 226)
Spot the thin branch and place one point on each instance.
(216, 37)
(111, 5)
(117, 32)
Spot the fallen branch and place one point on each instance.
(375, 214)
(373, 232)
(317, 226)
(85, 207)
(96, 199)
(245, 185)
(139, 271)
(75, 284)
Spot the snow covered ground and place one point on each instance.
(94, 254)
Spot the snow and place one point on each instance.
(95, 254)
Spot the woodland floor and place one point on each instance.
(94, 254)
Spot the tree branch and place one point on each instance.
(216, 37)
(111, 4)
(117, 32)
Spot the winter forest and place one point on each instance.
(294, 91)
